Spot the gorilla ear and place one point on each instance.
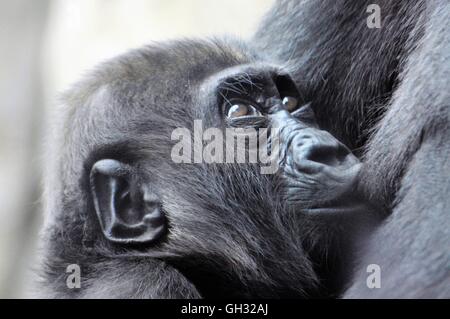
(128, 213)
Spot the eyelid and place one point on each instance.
(232, 101)
(248, 121)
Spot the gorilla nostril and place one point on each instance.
(331, 154)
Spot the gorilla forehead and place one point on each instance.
(156, 76)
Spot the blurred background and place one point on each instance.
(45, 45)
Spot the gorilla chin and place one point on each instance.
(141, 226)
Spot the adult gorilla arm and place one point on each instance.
(392, 82)
(409, 153)
(331, 52)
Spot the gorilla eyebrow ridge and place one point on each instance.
(241, 83)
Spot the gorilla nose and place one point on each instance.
(308, 152)
(315, 150)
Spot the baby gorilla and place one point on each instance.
(140, 225)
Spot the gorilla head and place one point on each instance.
(140, 225)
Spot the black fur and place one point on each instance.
(385, 93)
(231, 231)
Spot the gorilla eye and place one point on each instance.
(290, 103)
(242, 109)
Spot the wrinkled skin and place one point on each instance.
(313, 163)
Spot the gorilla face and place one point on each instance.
(229, 229)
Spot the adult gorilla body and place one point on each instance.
(385, 93)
